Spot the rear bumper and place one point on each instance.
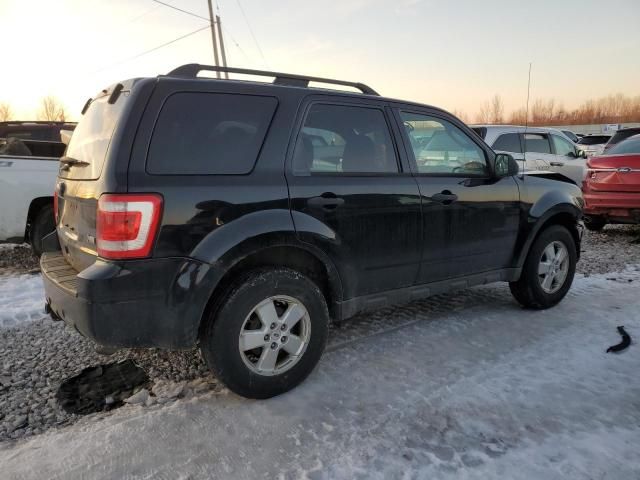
(624, 206)
(141, 303)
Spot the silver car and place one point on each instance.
(593, 144)
(539, 148)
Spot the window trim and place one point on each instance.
(208, 92)
(411, 156)
(339, 103)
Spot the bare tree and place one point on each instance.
(484, 115)
(461, 115)
(497, 109)
(518, 117)
(5, 112)
(52, 109)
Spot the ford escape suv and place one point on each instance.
(241, 216)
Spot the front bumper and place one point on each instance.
(137, 303)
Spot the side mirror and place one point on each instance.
(505, 165)
(582, 154)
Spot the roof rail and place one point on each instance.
(191, 70)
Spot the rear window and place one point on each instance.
(91, 138)
(622, 134)
(594, 140)
(209, 134)
(629, 146)
(509, 142)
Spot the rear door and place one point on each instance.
(79, 185)
(470, 219)
(352, 196)
(538, 151)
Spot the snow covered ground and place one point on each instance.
(22, 299)
(463, 386)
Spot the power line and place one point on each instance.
(152, 49)
(181, 10)
(251, 32)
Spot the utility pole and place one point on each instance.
(222, 52)
(213, 38)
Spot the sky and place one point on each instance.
(453, 54)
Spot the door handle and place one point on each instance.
(445, 197)
(556, 164)
(5, 163)
(326, 201)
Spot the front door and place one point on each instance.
(352, 197)
(470, 218)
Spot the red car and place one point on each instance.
(611, 186)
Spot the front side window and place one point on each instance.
(344, 139)
(209, 134)
(439, 147)
(562, 146)
(508, 142)
(537, 143)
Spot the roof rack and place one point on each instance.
(191, 70)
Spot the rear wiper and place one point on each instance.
(69, 162)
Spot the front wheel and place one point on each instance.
(548, 271)
(268, 334)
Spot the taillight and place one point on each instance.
(126, 224)
(55, 206)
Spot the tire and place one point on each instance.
(247, 372)
(594, 224)
(529, 290)
(43, 224)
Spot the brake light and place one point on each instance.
(126, 224)
(55, 206)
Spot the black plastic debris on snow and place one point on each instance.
(102, 387)
(626, 341)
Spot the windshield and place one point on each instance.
(629, 146)
(91, 138)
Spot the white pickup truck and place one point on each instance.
(28, 170)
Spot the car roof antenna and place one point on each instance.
(526, 125)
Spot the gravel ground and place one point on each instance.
(37, 356)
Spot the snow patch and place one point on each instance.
(21, 299)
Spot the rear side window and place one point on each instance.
(537, 142)
(508, 142)
(209, 134)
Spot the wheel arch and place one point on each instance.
(563, 214)
(275, 252)
(35, 206)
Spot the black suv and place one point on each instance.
(243, 216)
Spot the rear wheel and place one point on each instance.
(268, 334)
(43, 224)
(548, 271)
(594, 224)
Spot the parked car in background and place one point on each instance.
(621, 135)
(241, 216)
(612, 186)
(571, 136)
(36, 130)
(28, 170)
(593, 144)
(538, 147)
